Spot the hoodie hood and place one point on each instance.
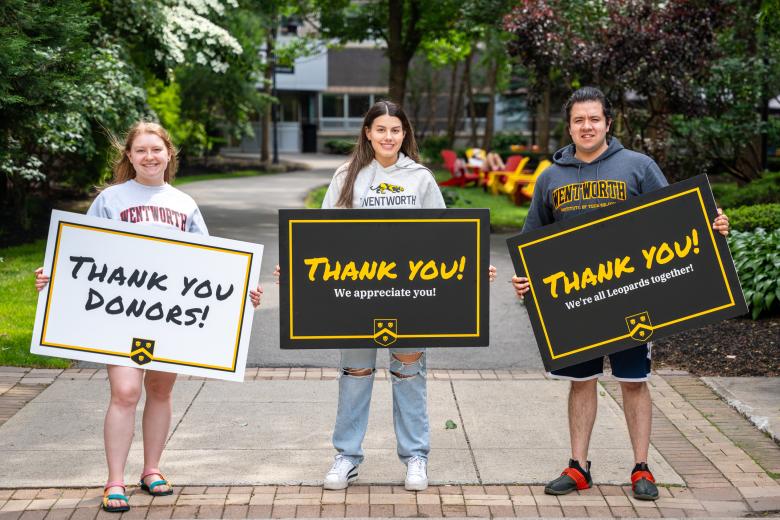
(565, 156)
(403, 162)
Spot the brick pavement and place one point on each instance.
(721, 457)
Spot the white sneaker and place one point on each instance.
(341, 474)
(416, 475)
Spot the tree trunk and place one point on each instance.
(451, 107)
(470, 94)
(543, 119)
(402, 42)
(433, 102)
(487, 139)
(748, 163)
(268, 77)
(458, 106)
(399, 69)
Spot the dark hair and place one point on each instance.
(587, 94)
(363, 153)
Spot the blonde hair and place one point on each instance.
(123, 168)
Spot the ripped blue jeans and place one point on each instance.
(410, 404)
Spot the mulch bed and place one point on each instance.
(737, 347)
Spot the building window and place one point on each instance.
(359, 105)
(334, 116)
(289, 108)
(332, 105)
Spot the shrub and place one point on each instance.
(431, 147)
(765, 190)
(452, 196)
(748, 218)
(757, 259)
(340, 146)
(502, 142)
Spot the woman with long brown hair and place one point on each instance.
(383, 172)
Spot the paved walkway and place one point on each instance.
(259, 449)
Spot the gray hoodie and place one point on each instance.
(570, 187)
(403, 185)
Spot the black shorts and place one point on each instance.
(628, 365)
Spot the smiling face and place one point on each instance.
(386, 135)
(588, 128)
(149, 157)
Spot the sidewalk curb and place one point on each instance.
(762, 423)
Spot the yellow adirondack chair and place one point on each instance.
(515, 165)
(518, 180)
(527, 191)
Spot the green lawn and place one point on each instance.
(315, 196)
(504, 215)
(17, 306)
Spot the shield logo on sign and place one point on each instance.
(385, 331)
(141, 350)
(639, 326)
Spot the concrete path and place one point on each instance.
(278, 432)
(260, 449)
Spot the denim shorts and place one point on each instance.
(628, 365)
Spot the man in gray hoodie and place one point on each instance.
(592, 172)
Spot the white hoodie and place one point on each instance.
(403, 185)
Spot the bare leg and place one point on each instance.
(406, 359)
(582, 416)
(156, 420)
(639, 417)
(119, 424)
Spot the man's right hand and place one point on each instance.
(277, 273)
(521, 285)
(41, 280)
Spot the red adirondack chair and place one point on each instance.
(460, 176)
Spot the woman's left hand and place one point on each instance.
(255, 296)
(721, 223)
(492, 273)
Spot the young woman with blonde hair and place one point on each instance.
(146, 164)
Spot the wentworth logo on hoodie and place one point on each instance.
(387, 196)
(587, 191)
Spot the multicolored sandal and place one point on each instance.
(571, 479)
(115, 496)
(643, 483)
(157, 483)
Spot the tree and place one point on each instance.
(649, 56)
(403, 25)
(72, 72)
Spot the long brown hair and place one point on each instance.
(123, 168)
(363, 153)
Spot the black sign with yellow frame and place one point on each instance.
(617, 277)
(384, 278)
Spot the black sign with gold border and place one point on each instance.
(392, 278)
(617, 277)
